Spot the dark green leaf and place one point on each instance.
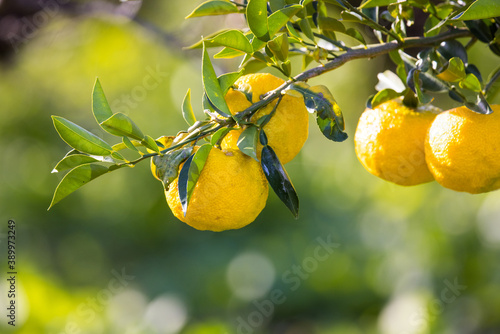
(120, 124)
(472, 69)
(480, 29)
(247, 142)
(480, 106)
(384, 96)
(190, 174)
(187, 109)
(257, 19)
(233, 39)
(212, 86)
(453, 48)
(480, 9)
(78, 177)
(72, 161)
(214, 7)
(422, 97)
(277, 4)
(100, 106)
(278, 179)
(79, 138)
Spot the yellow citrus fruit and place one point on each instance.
(230, 193)
(287, 130)
(389, 142)
(462, 150)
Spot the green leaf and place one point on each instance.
(187, 109)
(79, 138)
(480, 9)
(453, 48)
(72, 161)
(212, 86)
(190, 173)
(122, 145)
(305, 26)
(247, 142)
(228, 53)
(470, 82)
(129, 144)
(481, 106)
(278, 19)
(279, 47)
(150, 143)
(167, 165)
(492, 88)
(328, 114)
(384, 96)
(257, 19)
(120, 124)
(100, 106)
(218, 135)
(233, 39)
(227, 80)
(78, 177)
(278, 179)
(454, 72)
(213, 7)
(330, 24)
(356, 35)
(376, 3)
(422, 97)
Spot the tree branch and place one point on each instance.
(369, 51)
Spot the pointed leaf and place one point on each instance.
(72, 161)
(247, 142)
(227, 80)
(187, 109)
(279, 47)
(190, 173)
(150, 143)
(122, 145)
(100, 106)
(278, 19)
(376, 3)
(213, 7)
(480, 9)
(278, 179)
(257, 19)
(129, 144)
(212, 86)
(233, 39)
(331, 24)
(384, 96)
(454, 72)
(78, 177)
(79, 138)
(480, 106)
(228, 53)
(218, 135)
(470, 82)
(121, 125)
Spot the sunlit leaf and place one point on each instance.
(257, 19)
(227, 53)
(305, 26)
(278, 19)
(77, 177)
(454, 72)
(129, 144)
(330, 24)
(100, 106)
(233, 39)
(226, 80)
(190, 173)
(480, 9)
(216, 137)
(150, 143)
(120, 124)
(79, 138)
(214, 7)
(72, 161)
(247, 141)
(376, 3)
(384, 95)
(279, 47)
(187, 109)
(470, 82)
(278, 179)
(212, 86)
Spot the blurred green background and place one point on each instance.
(111, 258)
